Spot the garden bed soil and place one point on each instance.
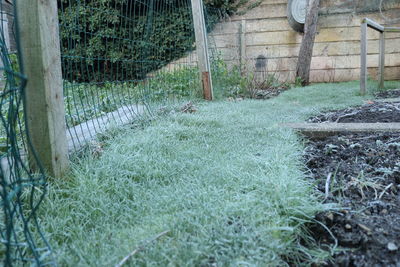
(361, 173)
(370, 112)
(389, 94)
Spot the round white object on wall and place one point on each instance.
(296, 14)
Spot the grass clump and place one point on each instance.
(227, 181)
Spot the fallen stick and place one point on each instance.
(139, 248)
(384, 190)
(327, 183)
(347, 115)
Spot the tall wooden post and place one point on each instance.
(363, 69)
(202, 48)
(242, 46)
(40, 48)
(381, 71)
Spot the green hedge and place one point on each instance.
(110, 40)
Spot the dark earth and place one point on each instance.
(389, 94)
(361, 174)
(368, 113)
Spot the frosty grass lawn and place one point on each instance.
(227, 181)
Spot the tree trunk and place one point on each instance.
(307, 44)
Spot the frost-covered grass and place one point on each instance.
(227, 181)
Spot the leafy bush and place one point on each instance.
(120, 40)
(114, 40)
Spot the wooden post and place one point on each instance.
(381, 60)
(242, 46)
(202, 48)
(363, 68)
(44, 101)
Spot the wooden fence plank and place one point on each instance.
(40, 45)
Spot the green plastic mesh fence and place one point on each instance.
(21, 190)
(122, 60)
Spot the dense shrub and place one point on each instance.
(110, 40)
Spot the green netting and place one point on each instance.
(121, 60)
(21, 190)
(124, 59)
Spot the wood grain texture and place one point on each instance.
(337, 42)
(381, 60)
(38, 22)
(307, 44)
(202, 48)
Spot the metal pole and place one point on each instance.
(381, 60)
(363, 69)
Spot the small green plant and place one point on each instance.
(86, 101)
(228, 82)
(12, 66)
(182, 83)
(14, 62)
(298, 82)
